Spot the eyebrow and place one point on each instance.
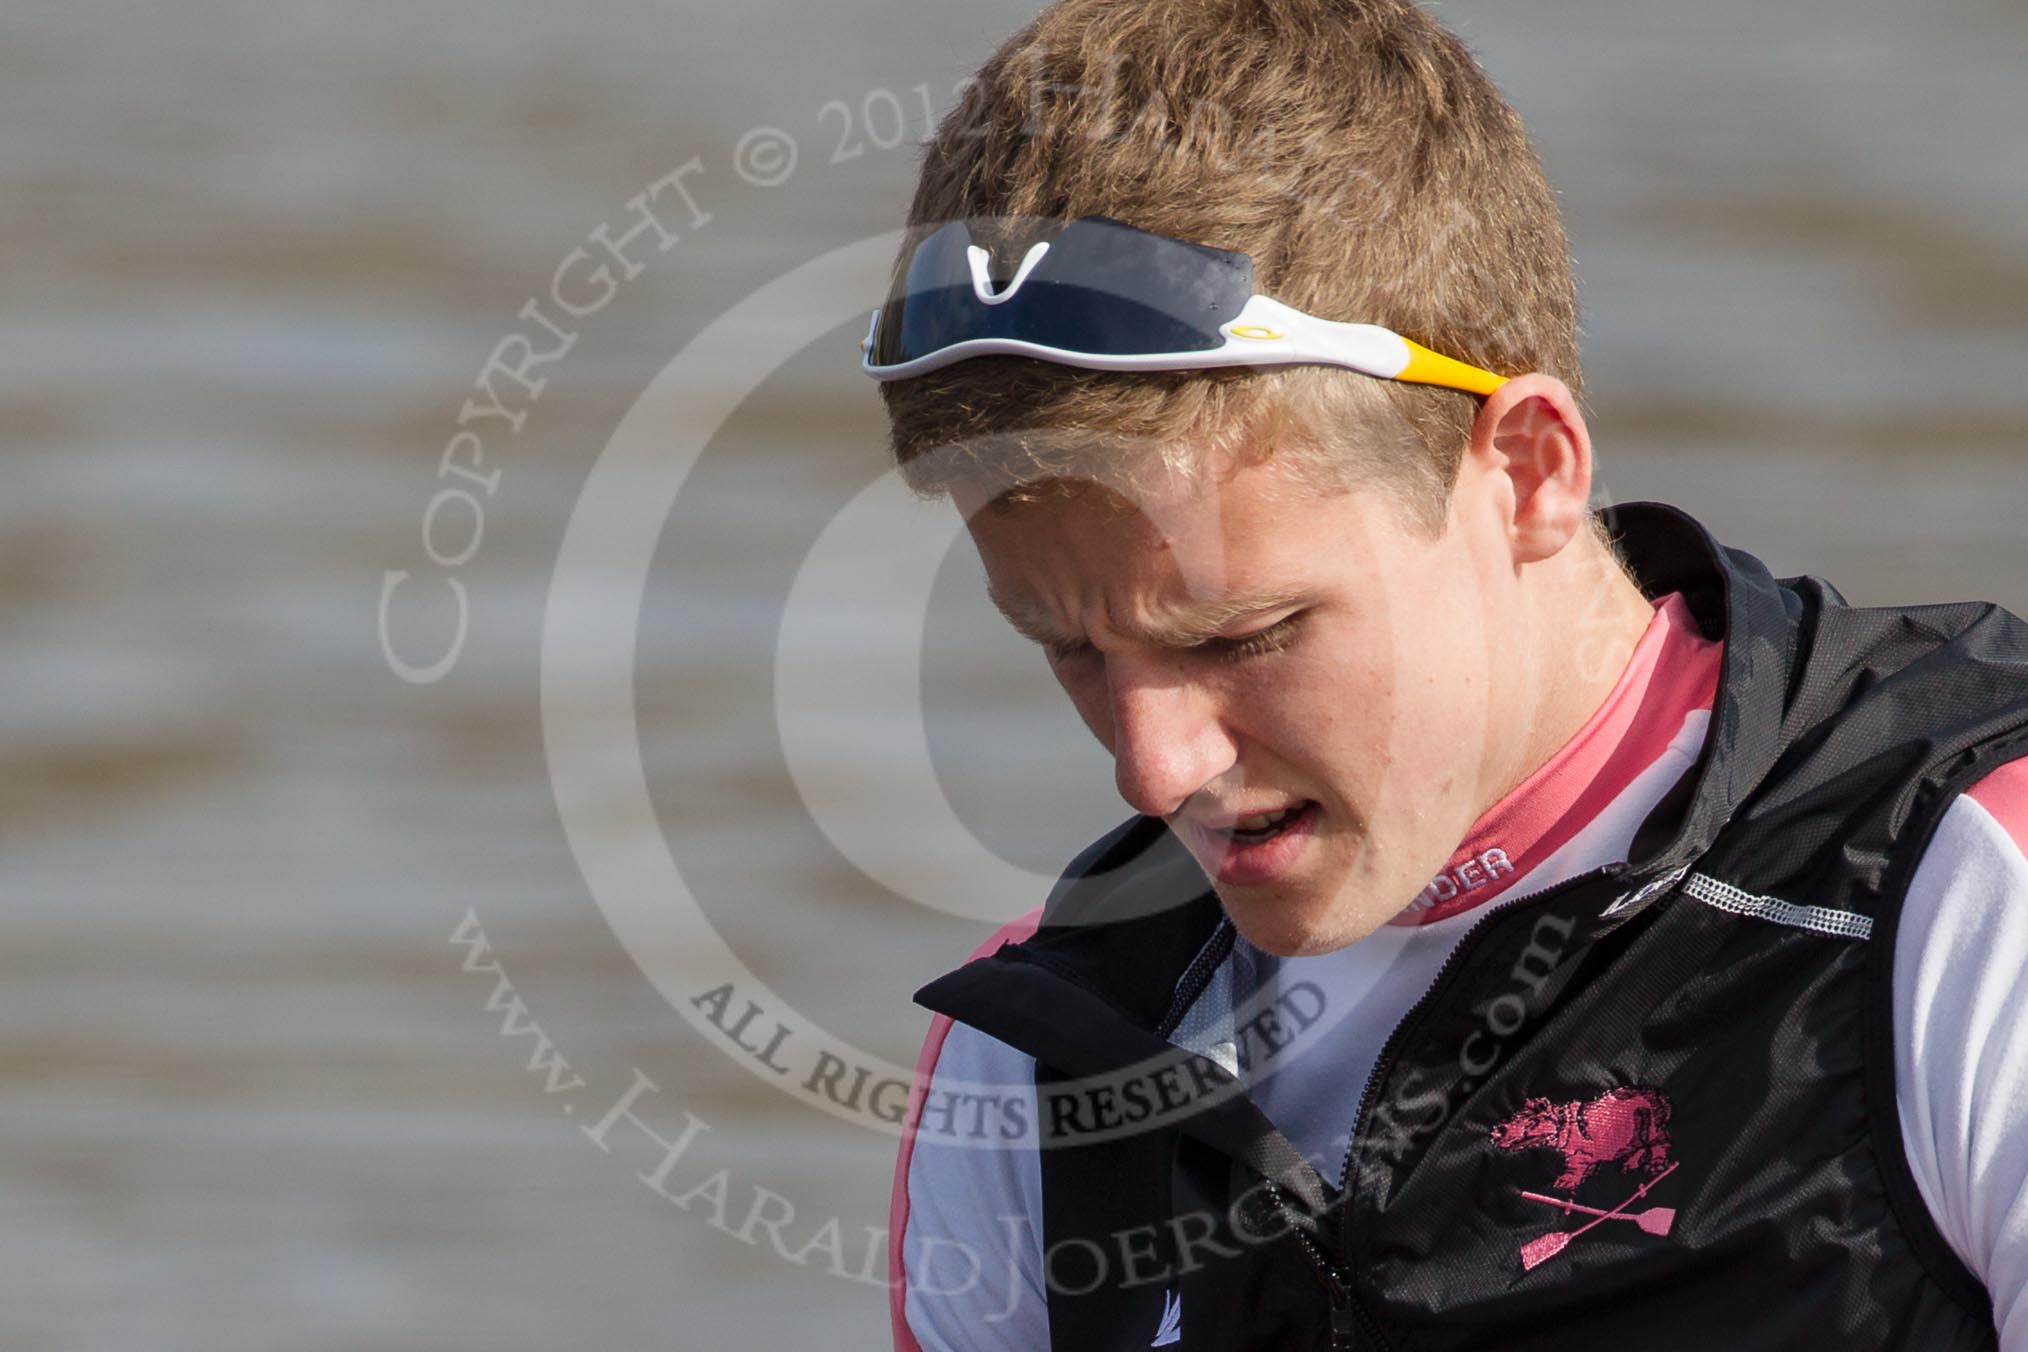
(1185, 626)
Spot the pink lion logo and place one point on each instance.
(1627, 1127)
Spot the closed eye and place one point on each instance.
(1272, 639)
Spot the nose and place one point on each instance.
(1169, 737)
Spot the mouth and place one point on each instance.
(1257, 850)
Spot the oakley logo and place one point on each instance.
(1264, 333)
(982, 282)
(1639, 897)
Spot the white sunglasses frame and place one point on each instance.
(1264, 333)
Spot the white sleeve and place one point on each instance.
(1961, 1048)
(971, 1247)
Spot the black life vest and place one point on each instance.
(1651, 1108)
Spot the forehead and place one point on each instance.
(1190, 557)
(1196, 521)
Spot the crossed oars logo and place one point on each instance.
(1656, 1220)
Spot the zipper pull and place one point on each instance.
(1344, 1319)
(1348, 1322)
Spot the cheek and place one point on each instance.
(1313, 710)
(1350, 677)
(1357, 711)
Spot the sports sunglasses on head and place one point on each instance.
(1106, 296)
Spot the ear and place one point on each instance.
(1530, 438)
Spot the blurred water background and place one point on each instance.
(255, 255)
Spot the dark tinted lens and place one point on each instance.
(1103, 288)
(934, 293)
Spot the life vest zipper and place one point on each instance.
(1353, 1327)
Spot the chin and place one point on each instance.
(1289, 929)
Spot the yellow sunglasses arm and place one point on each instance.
(1433, 368)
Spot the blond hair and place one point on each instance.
(1352, 148)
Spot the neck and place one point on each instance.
(1582, 617)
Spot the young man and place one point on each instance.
(1527, 938)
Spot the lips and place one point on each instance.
(1253, 820)
(1262, 823)
(1242, 858)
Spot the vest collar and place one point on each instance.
(1736, 599)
